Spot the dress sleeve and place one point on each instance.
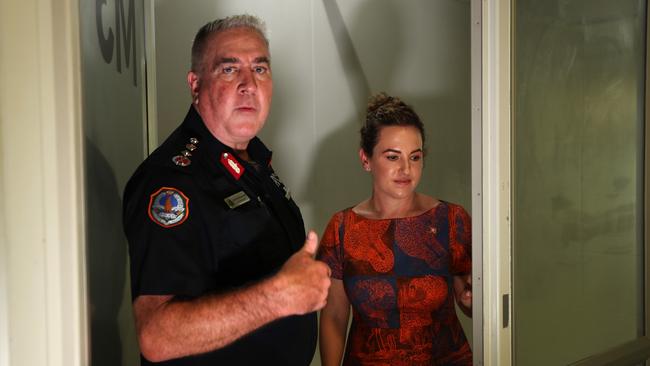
(460, 240)
(330, 250)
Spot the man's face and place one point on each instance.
(233, 89)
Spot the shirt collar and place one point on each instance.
(215, 148)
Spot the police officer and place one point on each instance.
(221, 271)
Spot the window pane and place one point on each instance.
(578, 177)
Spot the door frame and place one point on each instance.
(491, 177)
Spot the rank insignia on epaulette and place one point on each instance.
(184, 158)
(168, 207)
(237, 199)
(181, 160)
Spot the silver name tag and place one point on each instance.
(236, 199)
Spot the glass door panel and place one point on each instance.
(578, 167)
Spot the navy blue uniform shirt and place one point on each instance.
(199, 221)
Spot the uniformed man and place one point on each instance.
(221, 273)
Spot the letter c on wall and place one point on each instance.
(105, 44)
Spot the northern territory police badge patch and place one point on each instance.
(168, 207)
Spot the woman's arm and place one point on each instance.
(334, 325)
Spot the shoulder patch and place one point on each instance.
(168, 207)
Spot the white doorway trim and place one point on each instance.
(495, 181)
(43, 317)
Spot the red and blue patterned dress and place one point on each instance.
(397, 274)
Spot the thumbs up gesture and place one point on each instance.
(311, 244)
(304, 281)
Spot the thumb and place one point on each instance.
(311, 244)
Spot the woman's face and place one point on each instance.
(396, 162)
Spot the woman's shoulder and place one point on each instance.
(455, 209)
(453, 205)
(362, 209)
(426, 203)
(337, 217)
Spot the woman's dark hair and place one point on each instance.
(384, 110)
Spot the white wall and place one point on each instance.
(326, 60)
(327, 57)
(42, 304)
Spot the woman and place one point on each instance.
(399, 258)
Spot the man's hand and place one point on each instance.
(304, 281)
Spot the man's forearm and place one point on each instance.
(170, 328)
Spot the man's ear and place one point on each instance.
(194, 84)
(364, 160)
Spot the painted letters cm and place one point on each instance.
(124, 31)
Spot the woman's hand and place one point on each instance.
(463, 293)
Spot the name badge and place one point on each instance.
(237, 199)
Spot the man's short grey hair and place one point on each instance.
(220, 25)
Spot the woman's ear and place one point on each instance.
(364, 160)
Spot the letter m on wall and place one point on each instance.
(124, 37)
